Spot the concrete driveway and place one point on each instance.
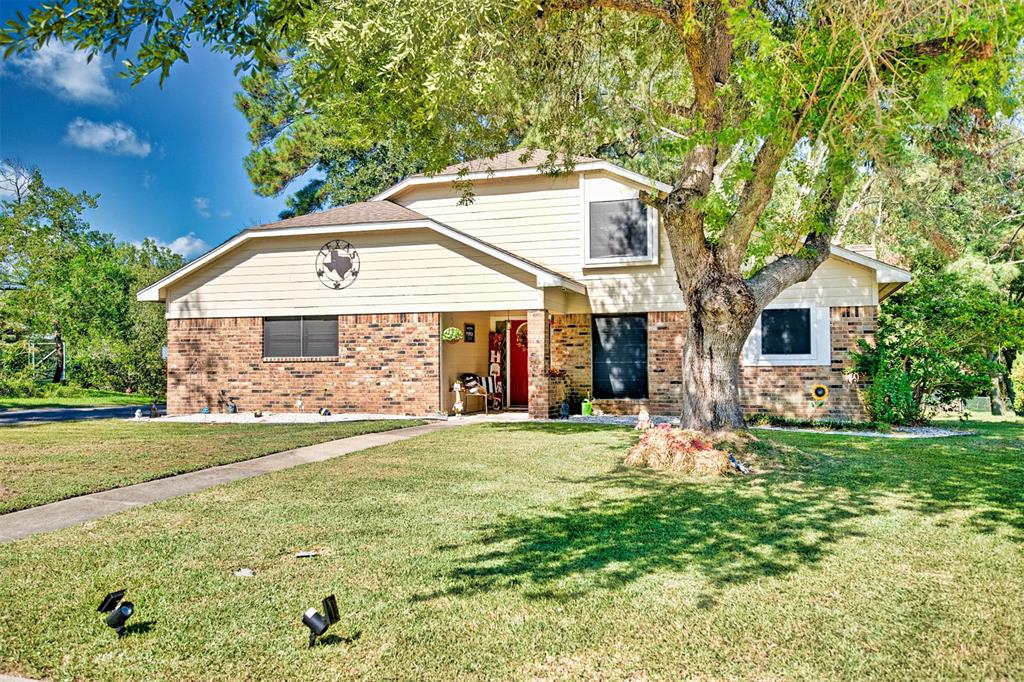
(66, 414)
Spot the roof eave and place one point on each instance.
(417, 180)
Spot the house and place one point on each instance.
(346, 308)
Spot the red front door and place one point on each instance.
(518, 366)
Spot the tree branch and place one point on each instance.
(772, 279)
(757, 192)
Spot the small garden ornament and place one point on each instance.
(643, 420)
(457, 407)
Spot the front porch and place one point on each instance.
(542, 358)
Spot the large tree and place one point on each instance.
(718, 98)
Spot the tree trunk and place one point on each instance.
(58, 354)
(722, 312)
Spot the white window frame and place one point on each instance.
(821, 340)
(599, 189)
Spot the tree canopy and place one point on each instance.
(60, 277)
(721, 99)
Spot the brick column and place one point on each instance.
(539, 354)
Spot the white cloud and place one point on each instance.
(111, 138)
(148, 179)
(224, 213)
(202, 206)
(188, 245)
(65, 72)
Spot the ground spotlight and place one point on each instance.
(317, 622)
(118, 612)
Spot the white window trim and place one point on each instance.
(653, 236)
(821, 340)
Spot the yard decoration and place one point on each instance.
(118, 612)
(458, 405)
(317, 622)
(451, 335)
(643, 420)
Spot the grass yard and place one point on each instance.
(72, 397)
(524, 551)
(42, 463)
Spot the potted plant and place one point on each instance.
(451, 335)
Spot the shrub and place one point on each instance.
(765, 419)
(1017, 377)
(673, 449)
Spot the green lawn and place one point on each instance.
(85, 397)
(524, 551)
(42, 463)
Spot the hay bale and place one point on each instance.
(672, 449)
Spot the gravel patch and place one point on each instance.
(277, 418)
(897, 432)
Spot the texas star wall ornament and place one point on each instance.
(337, 264)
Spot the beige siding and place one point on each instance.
(836, 282)
(407, 271)
(541, 218)
(537, 218)
(461, 357)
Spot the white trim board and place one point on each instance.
(821, 340)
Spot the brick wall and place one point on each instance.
(786, 390)
(386, 364)
(781, 390)
(542, 388)
(571, 350)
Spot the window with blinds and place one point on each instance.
(619, 229)
(620, 356)
(786, 331)
(300, 337)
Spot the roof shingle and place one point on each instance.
(352, 214)
(510, 161)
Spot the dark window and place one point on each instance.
(620, 356)
(294, 337)
(786, 331)
(618, 229)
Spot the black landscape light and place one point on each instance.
(317, 622)
(118, 612)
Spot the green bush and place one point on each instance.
(765, 419)
(1017, 377)
(889, 397)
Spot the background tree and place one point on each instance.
(77, 285)
(955, 214)
(719, 99)
(290, 139)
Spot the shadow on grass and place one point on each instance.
(629, 523)
(140, 628)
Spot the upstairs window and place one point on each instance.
(300, 337)
(620, 231)
(619, 356)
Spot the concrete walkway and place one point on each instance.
(70, 512)
(66, 414)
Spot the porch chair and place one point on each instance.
(488, 388)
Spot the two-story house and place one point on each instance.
(346, 308)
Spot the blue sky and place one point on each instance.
(167, 163)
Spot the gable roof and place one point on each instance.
(511, 160)
(352, 214)
(889, 277)
(509, 164)
(365, 216)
